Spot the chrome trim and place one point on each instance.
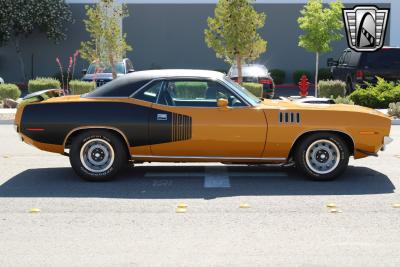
(214, 158)
(95, 127)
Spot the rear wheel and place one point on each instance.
(322, 156)
(97, 155)
(349, 86)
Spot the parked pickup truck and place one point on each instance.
(360, 67)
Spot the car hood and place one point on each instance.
(287, 104)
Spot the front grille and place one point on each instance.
(100, 82)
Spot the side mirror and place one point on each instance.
(131, 70)
(222, 103)
(84, 71)
(331, 62)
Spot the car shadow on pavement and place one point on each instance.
(169, 182)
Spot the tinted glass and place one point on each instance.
(196, 94)
(384, 58)
(354, 59)
(250, 71)
(120, 87)
(149, 93)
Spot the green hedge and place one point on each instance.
(278, 76)
(377, 96)
(331, 88)
(9, 90)
(42, 83)
(325, 74)
(344, 100)
(298, 73)
(190, 89)
(254, 88)
(78, 87)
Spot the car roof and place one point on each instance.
(172, 73)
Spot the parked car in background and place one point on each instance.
(310, 100)
(102, 73)
(356, 68)
(255, 73)
(1, 80)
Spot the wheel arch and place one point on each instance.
(74, 132)
(345, 136)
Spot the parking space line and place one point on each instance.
(173, 174)
(216, 177)
(258, 174)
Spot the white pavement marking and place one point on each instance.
(216, 177)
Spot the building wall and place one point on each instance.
(172, 36)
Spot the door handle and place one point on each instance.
(162, 117)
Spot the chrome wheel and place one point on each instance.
(322, 156)
(97, 155)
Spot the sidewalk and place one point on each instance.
(7, 115)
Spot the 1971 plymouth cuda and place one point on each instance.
(196, 116)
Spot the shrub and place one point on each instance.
(254, 88)
(325, 74)
(368, 98)
(390, 96)
(278, 76)
(43, 84)
(9, 90)
(394, 109)
(191, 89)
(344, 100)
(331, 88)
(78, 87)
(298, 73)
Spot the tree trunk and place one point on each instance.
(18, 50)
(239, 68)
(316, 74)
(114, 71)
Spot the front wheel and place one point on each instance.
(97, 155)
(322, 156)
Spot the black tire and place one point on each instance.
(318, 150)
(103, 146)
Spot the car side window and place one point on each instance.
(347, 58)
(196, 93)
(150, 93)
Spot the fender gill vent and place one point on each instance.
(289, 117)
(181, 127)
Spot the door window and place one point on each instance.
(150, 93)
(194, 93)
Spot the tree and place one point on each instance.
(19, 18)
(321, 26)
(232, 33)
(108, 43)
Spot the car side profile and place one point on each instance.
(357, 68)
(196, 116)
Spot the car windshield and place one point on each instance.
(105, 68)
(243, 92)
(250, 71)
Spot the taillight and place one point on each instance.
(265, 81)
(359, 74)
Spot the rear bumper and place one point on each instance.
(386, 140)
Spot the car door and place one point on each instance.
(186, 121)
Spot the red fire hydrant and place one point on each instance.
(303, 85)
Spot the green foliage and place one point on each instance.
(298, 73)
(78, 87)
(42, 83)
(9, 90)
(377, 96)
(186, 90)
(19, 18)
(325, 74)
(320, 25)
(331, 88)
(107, 42)
(394, 109)
(344, 100)
(232, 33)
(254, 88)
(278, 76)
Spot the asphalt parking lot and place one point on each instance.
(235, 215)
